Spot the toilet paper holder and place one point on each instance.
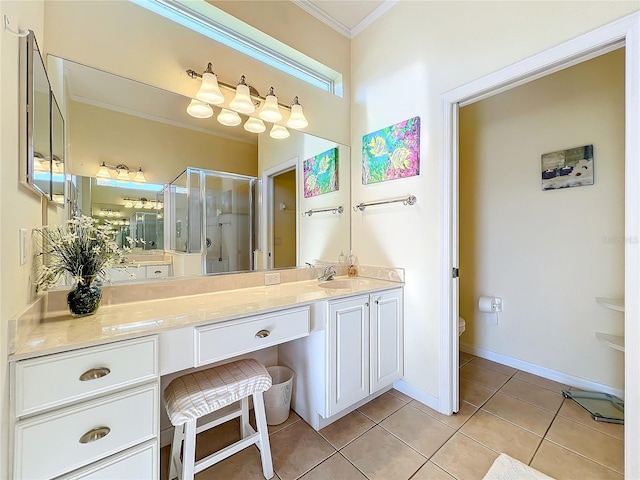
(490, 304)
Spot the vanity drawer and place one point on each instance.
(52, 444)
(228, 339)
(157, 271)
(54, 380)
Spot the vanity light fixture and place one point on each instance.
(143, 202)
(270, 111)
(279, 132)
(138, 204)
(297, 118)
(210, 90)
(128, 203)
(122, 173)
(254, 125)
(242, 102)
(229, 118)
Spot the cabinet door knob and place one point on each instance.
(95, 434)
(94, 373)
(263, 334)
(366, 304)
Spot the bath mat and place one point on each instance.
(507, 468)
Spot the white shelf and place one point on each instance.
(614, 341)
(612, 303)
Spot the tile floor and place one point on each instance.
(397, 438)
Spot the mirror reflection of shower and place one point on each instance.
(212, 214)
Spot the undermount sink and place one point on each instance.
(343, 283)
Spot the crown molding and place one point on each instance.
(372, 17)
(324, 17)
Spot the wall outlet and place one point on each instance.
(23, 246)
(272, 279)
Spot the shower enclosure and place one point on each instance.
(211, 213)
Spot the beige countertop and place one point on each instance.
(58, 332)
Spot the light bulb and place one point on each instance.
(229, 118)
(254, 125)
(270, 111)
(297, 118)
(199, 109)
(209, 90)
(242, 100)
(279, 132)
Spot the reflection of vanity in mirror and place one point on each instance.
(217, 212)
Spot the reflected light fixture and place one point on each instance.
(38, 163)
(103, 171)
(270, 111)
(254, 125)
(229, 118)
(122, 173)
(199, 109)
(297, 118)
(128, 203)
(242, 102)
(139, 176)
(279, 132)
(210, 90)
(138, 204)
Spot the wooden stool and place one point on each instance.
(194, 395)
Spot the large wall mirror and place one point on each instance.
(116, 121)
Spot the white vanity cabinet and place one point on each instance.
(88, 413)
(356, 352)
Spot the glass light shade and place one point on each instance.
(159, 206)
(123, 175)
(199, 109)
(242, 101)
(209, 90)
(148, 205)
(279, 132)
(229, 118)
(128, 204)
(270, 111)
(103, 171)
(56, 167)
(139, 176)
(39, 165)
(109, 213)
(138, 204)
(117, 213)
(101, 213)
(254, 125)
(126, 222)
(297, 118)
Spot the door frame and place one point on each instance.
(266, 213)
(623, 32)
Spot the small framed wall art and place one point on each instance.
(392, 152)
(321, 173)
(567, 168)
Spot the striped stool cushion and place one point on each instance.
(194, 395)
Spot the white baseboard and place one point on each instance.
(417, 394)
(541, 371)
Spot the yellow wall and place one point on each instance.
(163, 151)
(284, 220)
(401, 65)
(548, 254)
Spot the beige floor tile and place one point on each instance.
(541, 381)
(381, 407)
(562, 464)
(594, 445)
(297, 449)
(244, 465)
(217, 438)
(465, 358)
(418, 430)
(502, 436)
(430, 471)
(483, 376)
(575, 412)
(292, 418)
(380, 455)
(533, 394)
(474, 393)
(402, 396)
(335, 467)
(454, 421)
(346, 429)
(525, 415)
(496, 367)
(464, 458)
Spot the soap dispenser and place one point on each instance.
(341, 257)
(352, 271)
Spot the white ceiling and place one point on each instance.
(349, 17)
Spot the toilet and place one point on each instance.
(461, 325)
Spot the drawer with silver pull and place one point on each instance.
(228, 339)
(55, 380)
(69, 438)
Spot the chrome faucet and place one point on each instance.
(329, 273)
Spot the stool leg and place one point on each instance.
(189, 450)
(176, 445)
(263, 444)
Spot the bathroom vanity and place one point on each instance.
(86, 392)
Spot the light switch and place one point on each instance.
(23, 246)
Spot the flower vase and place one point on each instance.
(84, 299)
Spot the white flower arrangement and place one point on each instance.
(80, 248)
